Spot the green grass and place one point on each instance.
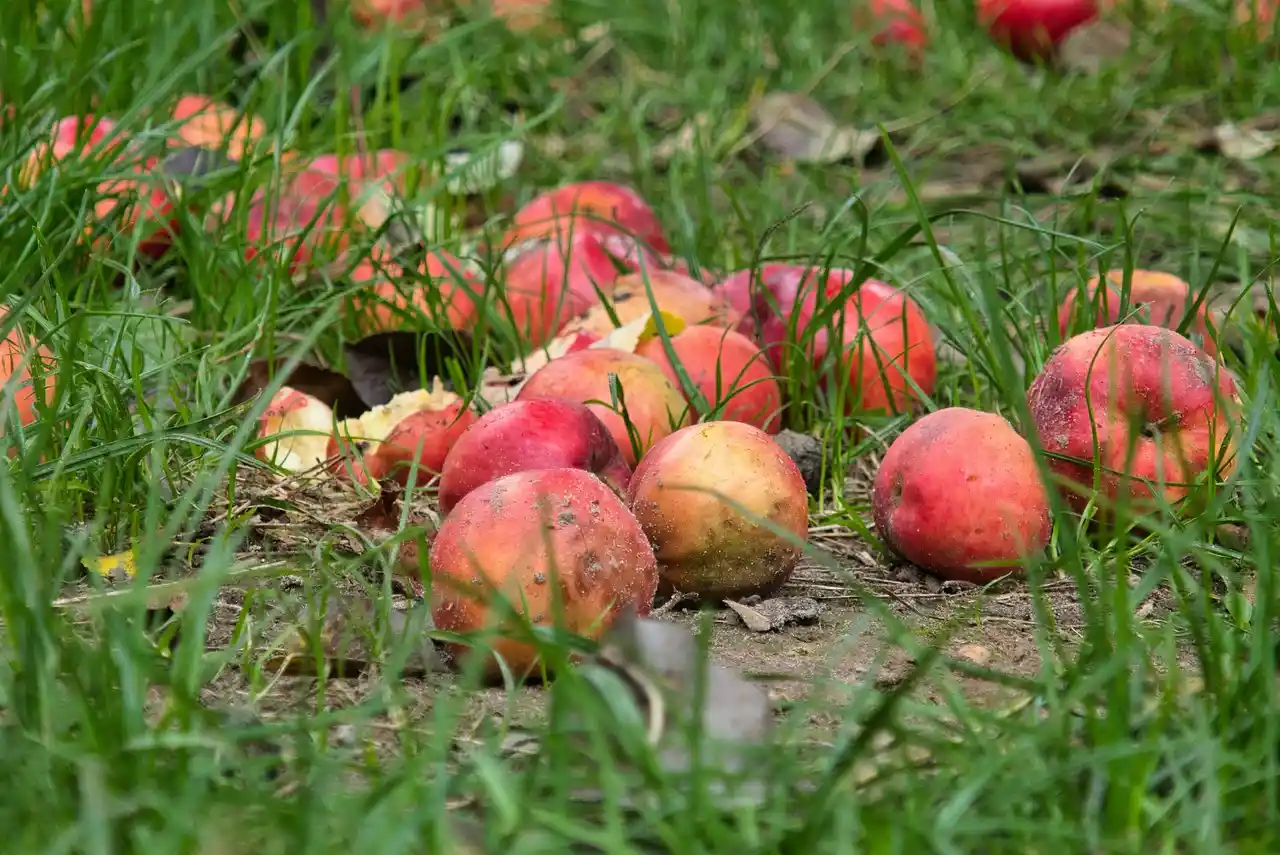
(110, 741)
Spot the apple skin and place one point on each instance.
(303, 217)
(897, 23)
(724, 366)
(17, 353)
(556, 544)
(549, 282)
(446, 294)
(534, 434)
(707, 546)
(1100, 380)
(600, 206)
(87, 136)
(1033, 29)
(421, 425)
(654, 406)
(206, 123)
(958, 494)
(1158, 298)
(674, 293)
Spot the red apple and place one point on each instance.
(139, 203)
(301, 217)
(554, 545)
(958, 494)
(1155, 412)
(725, 367)
(83, 137)
(597, 206)
(1032, 29)
(551, 281)
(443, 292)
(206, 123)
(709, 497)
(895, 22)
(1154, 298)
(654, 407)
(533, 434)
(18, 353)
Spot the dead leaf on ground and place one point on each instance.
(385, 364)
(806, 452)
(1242, 142)
(751, 618)
(1091, 48)
(800, 129)
(325, 384)
(383, 514)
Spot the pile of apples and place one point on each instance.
(595, 479)
(1130, 413)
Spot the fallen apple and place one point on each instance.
(725, 367)
(533, 434)
(82, 137)
(1153, 410)
(140, 205)
(674, 293)
(591, 206)
(1033, 29)
(653, 407)
(548, 282)
(1155, 298)
(896, 23)
(555, 544)
(958, 494)
(300, 220)
(710, 497)
(296, 430)
(205, 123)
(443, 292)
(418, 427)
(18, 353)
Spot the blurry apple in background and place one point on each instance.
(1033, 29)
(596, 206)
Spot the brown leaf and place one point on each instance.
(384, 364)
(1242, 142)
(1090, 48)
(751, 618)
(383, 514)
(800, 129)
(325, 384)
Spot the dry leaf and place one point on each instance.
(1090, 48)
(631, 335)
(751, 618)
(800, 129)
(1242, 142)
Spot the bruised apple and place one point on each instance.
(18, 352)
(674, 293)
(554, 545)
(416, 427)
(1158, 298)
(653, 407)
(591, 206)
(1157, 414)
(958, 494)
(706, 496)
(725, 367)
(306, 423)
(537, 434)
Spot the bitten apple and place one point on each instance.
(1158, 298)
(291, 410)
(653, 407)
(535, 434)
(555, 544)
(725, 367)
(416, 427)
(958, 494)
(707, 495)
(1155, 411)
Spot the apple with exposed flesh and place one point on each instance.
(548, 282)
(674, 293)
(18, 353)
(416, 427)
(205, 123)
(897, 23)
(958, 494)
(1153, 410)
(553, 545)
(653, 406)
(1158, 298)
(1033, 29)
(542, 433)
(707, 496)
(594, 206)
(293, 410)
(724, 366)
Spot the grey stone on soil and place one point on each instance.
(806, 451)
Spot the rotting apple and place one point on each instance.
(203, 122)
(293, 410)
(896, 23)
(653, 407)
(1154, 411)
(1161, 299)
(725, 367)
(709, 497)
(418, 427)
(554, 545)
(958, 494)
(548, 282)
(1033, 29)
(593, 206)
(543, 433)
(18, 352)
(674, 293)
